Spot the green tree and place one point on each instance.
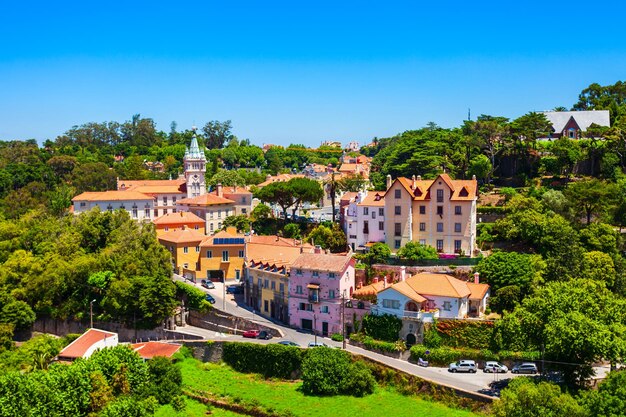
(481, 166)
(567, 152)
(217, 133)
(379, 253)
(304, 190)
(278, 193)
(292, 230)
(228, 178)
(416, 251)
(610, 397)
(18, 313)
(525, 398)
(503, 269)
(329, 237)
(240, 221)
(591, 198)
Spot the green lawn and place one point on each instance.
(221, 380)
(193, 409)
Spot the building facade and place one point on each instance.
(139, 206)
(365, 220)
(222, 256)
(212, 207)
(440, 213)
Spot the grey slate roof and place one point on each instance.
(584, 119)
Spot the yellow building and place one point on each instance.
(268, 259)
(212, 207)
(184, 245)
(440, 213)
(222, 256)
(174, 221)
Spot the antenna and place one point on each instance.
(469, 114)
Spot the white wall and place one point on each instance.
(110, 341)
(142, 205)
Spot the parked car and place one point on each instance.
(463, 366)
(495, 367)
(288, 343)
(234, 289)
(525, 368)
(251, 333)
(207, 284)
(209, 298)
(317, 344)
(264, 334)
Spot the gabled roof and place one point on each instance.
(128, 184)
(112, 196)
(374, 198)
(235, 190)
(405, 289)
(322, 262)
(372, 289)
(158, 189)
(273, 240)
(462, 190)
(441, 285)
(181, 217)
(149, 350)
(183, 235)
(222, 234)
(477, 291)
(204, 200)
(348, 196)
(79, 347)
(584, 118)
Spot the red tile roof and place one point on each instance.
(181, 217)
(322, 262)
(80, 346)
(182, 236)
(112, 196)
(149, 350)
(462, 190)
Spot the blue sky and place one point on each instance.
(298, 72)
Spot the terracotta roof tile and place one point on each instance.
(81, 345)
(157, 189)
(374, 198)
(181, 217)
(477, 291)
(204, 200)
(149, 350)
(438, 285)
(182, 236)
(279, 178)
(462, 190)
(322, 262)
(149, 183)
(371, 289)
(112, 196)
(405, 289)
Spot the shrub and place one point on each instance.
(337, 337)
(385, 327)
(445, 355)
(328, 371)
(456, 333)
(268, 360)
(432, 339)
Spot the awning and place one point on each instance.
(313, 286)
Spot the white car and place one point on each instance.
(495, 367)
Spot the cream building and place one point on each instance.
(139, 206)
(440, 213)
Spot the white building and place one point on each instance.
(138, 205)
(365, 220)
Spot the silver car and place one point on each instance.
(495, 367)
(463, 366)
(525, 368)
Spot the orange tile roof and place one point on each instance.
(371, 289)
(322, 262)
(181, 217)
(462, 190)
(279, 178)
(157, 189)
(205, 200)
(81, 345)
(438, 285)
(278, 256)
(112, 196)
(405, 289)
(182, 236)
(208, 240)
(348, 167)
(274, 240)
(348, 196)
(477, 291)
(235, 190)
(149, 350)
(374, 198)
(150, 183)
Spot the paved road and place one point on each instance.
(478, 382)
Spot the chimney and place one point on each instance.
(473, 177)
(375, 280)
(184, 227)
(402, 273)
(414, 184)
(318, 249)
(385, 282)
(220, 191)
(476, 278)
(268, 177)
(419, 177)
(388, 181)
(235, 188)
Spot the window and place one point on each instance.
(156, 213)
(395, 304)
(457, 246)
(299, 272)
(211, 215)
(447, 305)
(167, 228)
(209, 254)
(302, 306)
(439, 210)
(243, 200)
(299, 289)
(273, 285)
(324, 309)
(397, 229)
(366, 211)
(241, 254)
(457, 210)
(237, 274)
(381, 225)
(396, 244)
(439, 196)
(196, 227)
(219, 225)
(219, 214)
(265, 305)
(331, 294)
(244, 211)
(457, 227)
(422, 209)
(173, 200)
(186, 266)
(331, 275)
(211, 227)
(146, 213)
(373, 214)
(398, 209)
(439, 245)
(398, 193)
(281, 288)
(422, 227)
(197, 249)
(316, 274)
(134, 212)
(366, 227)
(439, 227)
(381, 211)
(309, 307)
(423, 242)
(165, 201)
(83, 204)
(259, 283)
(185, 249)
(266, 284)
(224, 256)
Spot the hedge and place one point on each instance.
(443, 356)
(384, 327)
(462, 333)
(492, 210)
(271, 361)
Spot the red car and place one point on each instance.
(251, 333)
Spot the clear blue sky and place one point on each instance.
(298, 71)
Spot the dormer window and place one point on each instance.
(463, 192)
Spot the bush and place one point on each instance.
(445, 355)
(432, 339)
(271, 361)
(457, 333)
(327, 371)
(385, 327)
(337, 337)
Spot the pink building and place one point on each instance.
(318, 283)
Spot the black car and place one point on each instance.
(264, 334)
(234, 289)
(209, 298)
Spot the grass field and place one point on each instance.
(280, 396)
(193, 409)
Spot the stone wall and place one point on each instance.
(220, 321)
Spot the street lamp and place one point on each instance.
(91, 313)
(343, 318)
(315, 328)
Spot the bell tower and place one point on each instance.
(195, 168)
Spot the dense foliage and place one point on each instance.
(382, 327)
(271, 361)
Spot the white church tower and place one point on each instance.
(195, 168)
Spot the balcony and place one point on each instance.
(425, 316)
